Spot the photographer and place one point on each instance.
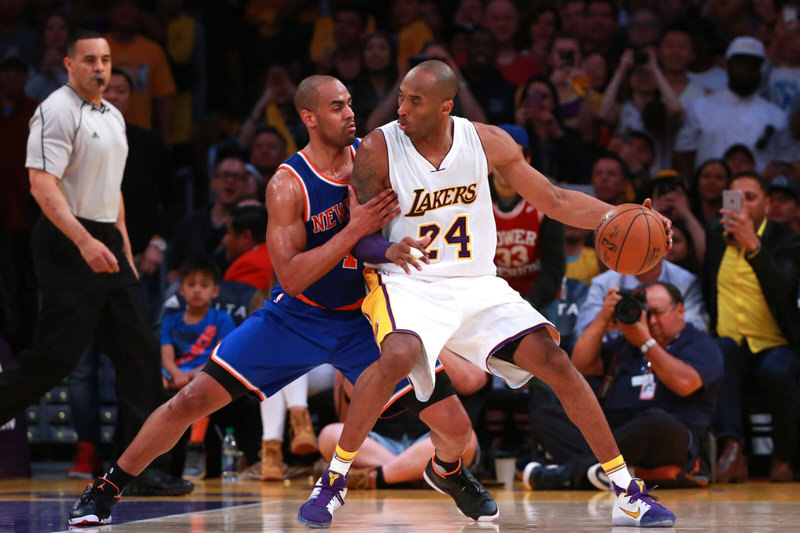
(660, 380)
(687, 283)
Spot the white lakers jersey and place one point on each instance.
(451, 204)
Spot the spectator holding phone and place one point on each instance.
(752, 271)
(571, 83)
(670, 198)
(653, 106)
(555, 149)
(644, 29)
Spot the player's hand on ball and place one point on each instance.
(648, 204)
(409, 252)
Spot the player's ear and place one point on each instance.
(308, 118)
(447, 106)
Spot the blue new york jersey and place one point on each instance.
(325, 216)
(289, 336)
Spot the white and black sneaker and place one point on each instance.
(471, 498)
(598, 478)
(95, 504)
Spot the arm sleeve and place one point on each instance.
(52, 131)
(372, 249)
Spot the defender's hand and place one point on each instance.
(374, 214)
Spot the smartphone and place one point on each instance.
(790, 15)
(568, 57)
(732, 200)
(640, 58)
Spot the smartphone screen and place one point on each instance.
(790, 15)
(732, 200)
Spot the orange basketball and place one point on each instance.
(630, 239)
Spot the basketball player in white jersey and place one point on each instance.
(438, 165)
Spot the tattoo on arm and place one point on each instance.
(370, 168)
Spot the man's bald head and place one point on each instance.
(446, 84)
(307, 94)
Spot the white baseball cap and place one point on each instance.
(745, 46)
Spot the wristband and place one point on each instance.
(372, 249)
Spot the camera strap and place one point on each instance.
(608, 380)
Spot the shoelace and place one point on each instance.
(327, 488)
(468, 484)
(644, 494)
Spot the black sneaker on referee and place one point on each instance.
(471, 498)
(95, 504)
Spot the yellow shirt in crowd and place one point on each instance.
(145, 62)
(583, 267)
(743, 313)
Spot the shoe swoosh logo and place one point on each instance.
(632, 515)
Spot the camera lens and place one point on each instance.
(628, 310)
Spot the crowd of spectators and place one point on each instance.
(677, 101)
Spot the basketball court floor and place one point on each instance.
(39, 505)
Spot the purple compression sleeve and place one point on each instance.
(372, 249)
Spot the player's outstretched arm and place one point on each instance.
(570, 207)
(295, 267)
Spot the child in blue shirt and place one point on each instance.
(188, 338)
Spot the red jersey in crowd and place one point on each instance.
(517, 256)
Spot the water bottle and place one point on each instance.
(230, 457)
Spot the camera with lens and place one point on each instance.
(629, 309)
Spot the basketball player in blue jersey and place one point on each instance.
(313, 317)
(439, 165)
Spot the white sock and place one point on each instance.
(342, 460)
(617, 472)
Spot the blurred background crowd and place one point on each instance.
(674, 100)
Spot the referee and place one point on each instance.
(82, 256)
